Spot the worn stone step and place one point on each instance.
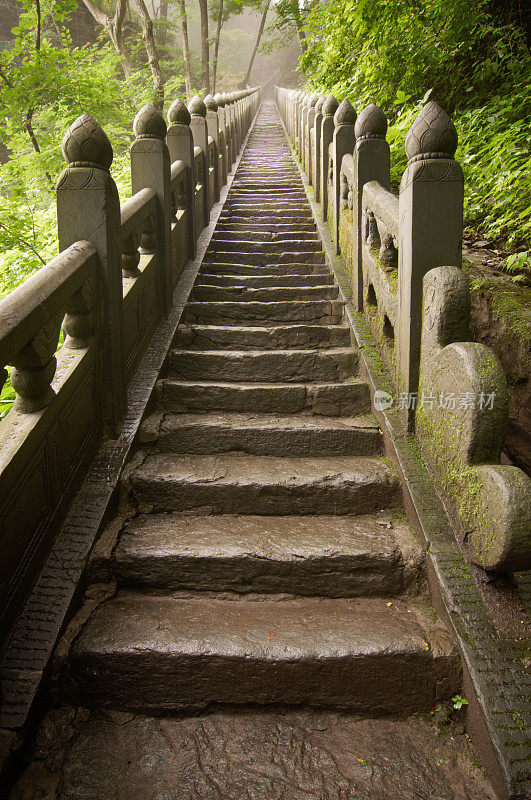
(241, 214)
(265, 294)
(290, 366)
(265, 227)
(229, 234)
(263, 281)
(262, 434)
(240, 484)
(238, 245)
(293, 268)
(327, 312)
(226, 337)
(323, 399)
(161, 653)
(365, 556)
(264, 259)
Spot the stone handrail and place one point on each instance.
(108, 289)
(404, 258)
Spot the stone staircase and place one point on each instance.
(269, 560)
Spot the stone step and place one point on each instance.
(265, 227)
(261, 258)
(262, 434)
(323, 399)
(279, 366)
(240, 484)
(242, 214)
(238, 245)
(161, 653)
(369, 556)
(225, 337)
(265, 294)
(293, 268)
(327, 312)
(263, 281)
(265, 236)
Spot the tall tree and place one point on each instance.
(216, 45)
(114, 28)
(257, 43)
(205, 48)
(152, 55)
(186, 47)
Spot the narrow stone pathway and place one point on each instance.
(264, 562)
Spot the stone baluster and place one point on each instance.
(213, 133)
(316, 156)
(151, 169)
(330, 107)
(78, 323)
(304, 130)
(431, 226)
(224, 149)
(198, 127)
(371, 163)
(88, 208)
(309, 136)
(34, 368)
(343, 142)
(229, 126)
(180, 143)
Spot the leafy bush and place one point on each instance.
(394, 52)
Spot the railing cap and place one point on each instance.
(371, 122)
(178, 113)
(149, 123)
(432, 133)
(220, 100)
(197, 107)
(345, 114)
(330, 106)
(210, 103)
(85, 144)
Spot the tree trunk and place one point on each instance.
(300, 30)
(186, 48)
(256, 44)
(113, 26)
(163, 14)
(205, 54)
(151, 50)
(216, 47)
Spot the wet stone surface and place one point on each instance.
(254, 755)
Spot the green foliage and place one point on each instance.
(394, 52)
(458, 702)
(56, 82)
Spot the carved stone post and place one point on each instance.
(229, 125)
(198, 127)
(371, 163)
(316, 155)
(304, 129)
(181, 148)
(223, 144)
(342, 143)
(88, 207)
(150, 169)
(431, 226)
(213, 133)
(330, 107)
(309, 135)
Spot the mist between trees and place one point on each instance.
(59, 58)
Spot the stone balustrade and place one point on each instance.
(403, 257)
(104, 294)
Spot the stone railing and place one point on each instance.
(105, 293)
(403, 256)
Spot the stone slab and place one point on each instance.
(267, 294)
(323, 556)
(291, 366)
(328, 312)
(163, 653)
(262, 434)
(327, 399)
(213, 337)
(229, 484)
